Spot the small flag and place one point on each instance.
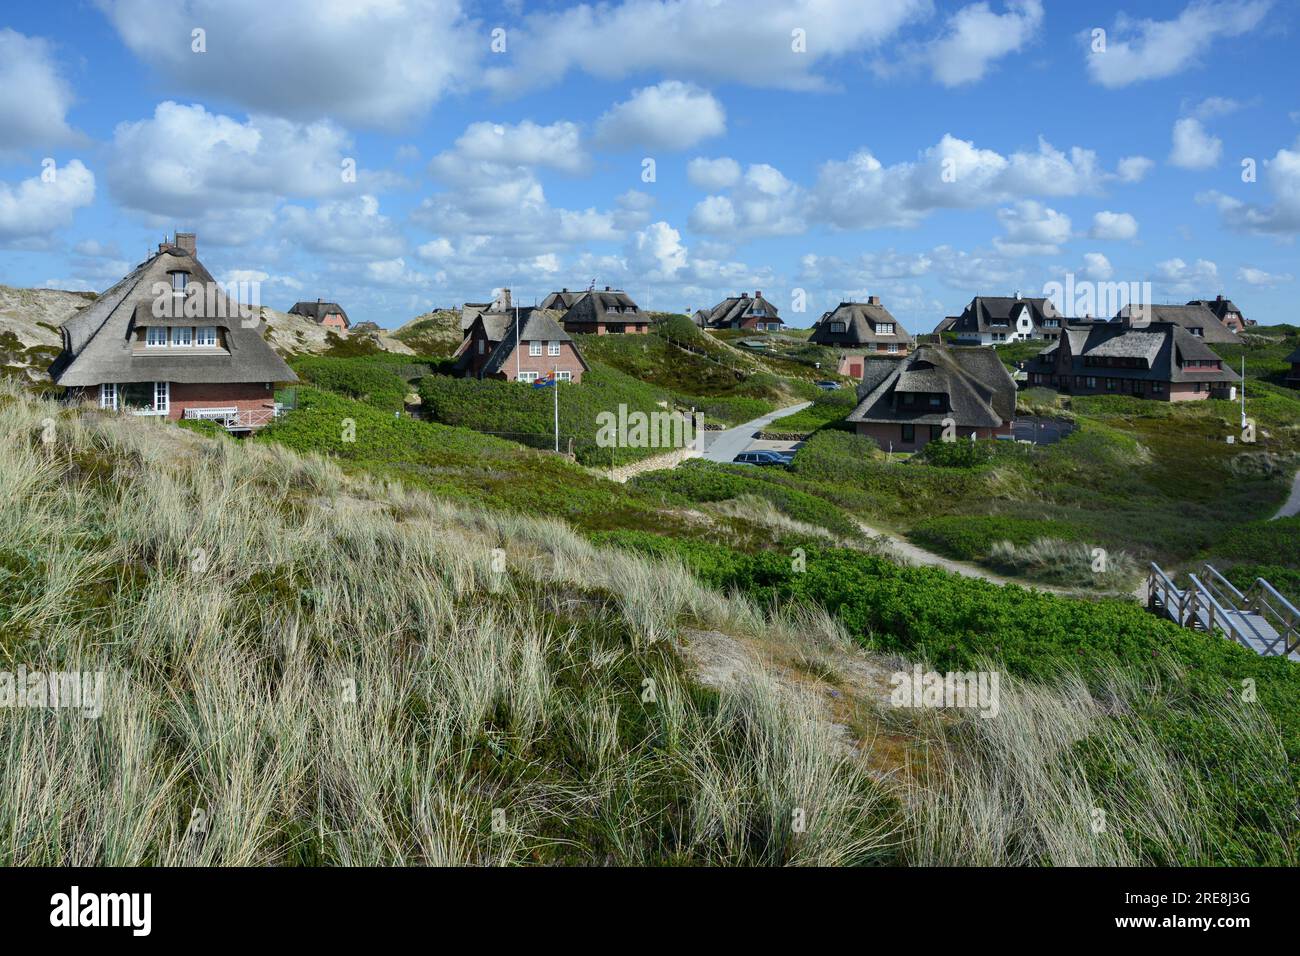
(546, 381)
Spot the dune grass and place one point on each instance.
(307, 667)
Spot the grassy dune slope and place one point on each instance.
(306, 667)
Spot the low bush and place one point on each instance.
(366, 380)
(972, 537)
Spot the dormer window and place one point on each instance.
(837, 327)
(182, 335)
(179, 281)
(156, 336)
(885, 328)
(206, 336)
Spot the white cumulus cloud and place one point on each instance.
(672, 115)
(1147, 49)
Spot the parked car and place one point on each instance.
(828, 385)
(763, 458)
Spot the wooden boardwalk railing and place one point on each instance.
(1259, 618)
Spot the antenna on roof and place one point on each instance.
(592, 287)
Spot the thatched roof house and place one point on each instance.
(598, 313)
(166, 340)
(1162, 360)
(499, 345)
(328, 314)
(935, 391)
(741, 312)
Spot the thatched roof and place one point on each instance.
(589, 307)
(1196, 319)
(731, 312)
(862, 321)
(536, 325)
(97, 341)
(986, 312)
(980, 391)
(1161, 351)
(318, 310)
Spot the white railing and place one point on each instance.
(234, 419)
(1261, 618)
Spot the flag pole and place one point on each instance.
(516, 343)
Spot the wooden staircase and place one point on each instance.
(1260, 619)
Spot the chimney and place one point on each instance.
(608, 289)
(565, 289)
(1218, 298)
(186, 241)
(758, 293)
(873, 300)
(744, 295)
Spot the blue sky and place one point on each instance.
(922, 151)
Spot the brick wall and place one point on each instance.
(246, 396)
(567, 360)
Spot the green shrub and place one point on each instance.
(515, 408)
(956, 454)
(361, 378)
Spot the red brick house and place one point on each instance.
(1163, 361)
(328, 314)
(907, 403)
(497, 345)
(598, 313)
(1226, 312)
(741, 312)
(167, 341)
(860, 330)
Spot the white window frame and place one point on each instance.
(837, 328)
(893, 348)
(149, 334)
(885, 328)
(162, 403)
(527, 376)
(552, 348)
(564, 376)
(182, 336)
(180, 282)
(108, 395)
(205, 336)
(534, 348)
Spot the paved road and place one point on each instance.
(727, 444)
(1292, 505)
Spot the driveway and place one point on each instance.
(725, 445)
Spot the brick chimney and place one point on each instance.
(758, 293)
(873, 300)
(186, 241)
